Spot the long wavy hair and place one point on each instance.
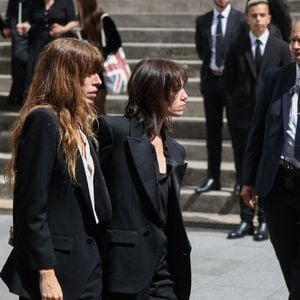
(153, 80)
(59, 75)
(89, 16)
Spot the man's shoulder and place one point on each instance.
(235, 13)
(205, 17)
(280, 72)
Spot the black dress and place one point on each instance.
(41, 19)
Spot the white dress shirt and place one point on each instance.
(289, 145)
(89, 169)
(263, 41)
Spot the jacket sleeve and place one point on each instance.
(36, 156)
(256, 134)
(198, 38)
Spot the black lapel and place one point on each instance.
(287, 87)
(209, 21)
(142, 153)
(249, 56)
(102, 199)
(179, 166)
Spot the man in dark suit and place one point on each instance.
(246, 63)
(272, 165)
(215, 33)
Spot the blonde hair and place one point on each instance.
(59, 75)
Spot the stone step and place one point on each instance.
(221, 202)
(197, 173)
(160, 20)
(194, 128)
(157, 35)
(196, 150)
(7, 118)
(5, 189)
(165, 50)
(294, 5)
(4, 65)
(158, 6)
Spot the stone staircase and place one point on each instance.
(153, 29)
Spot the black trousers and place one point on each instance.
(215, 101)
(239, 138)
(19, 59)
(282, 210)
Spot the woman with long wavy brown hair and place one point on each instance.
(60, 197)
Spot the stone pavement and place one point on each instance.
(222, 269)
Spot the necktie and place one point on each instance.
(297, 135)
(219, 42)
(258, 55)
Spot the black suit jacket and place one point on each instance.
(235, 27)
(268, 128)
(281, 17)
(54, 225)
(242, 79)
(134, 240)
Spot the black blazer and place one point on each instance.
(267, 131)
(54, 225)
(242, 80)
(235, 27)
(134, 240)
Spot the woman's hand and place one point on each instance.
(57, 30)
(49, 286)
(22, 28)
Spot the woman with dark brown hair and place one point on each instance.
(60, 197)
(147, 251)
(90, 20)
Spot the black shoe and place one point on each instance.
(209, 185)
(243, 229)
(262, 233)
(236, 190)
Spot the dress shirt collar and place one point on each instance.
(224, 13)
(263, 38)
(297, 81)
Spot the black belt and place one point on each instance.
(217, 73)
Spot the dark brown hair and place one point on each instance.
(89, 15)
(153, 80)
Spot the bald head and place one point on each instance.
(295, 42)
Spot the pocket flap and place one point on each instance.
(61, 242)
(121, 236)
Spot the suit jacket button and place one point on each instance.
(89, 240)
